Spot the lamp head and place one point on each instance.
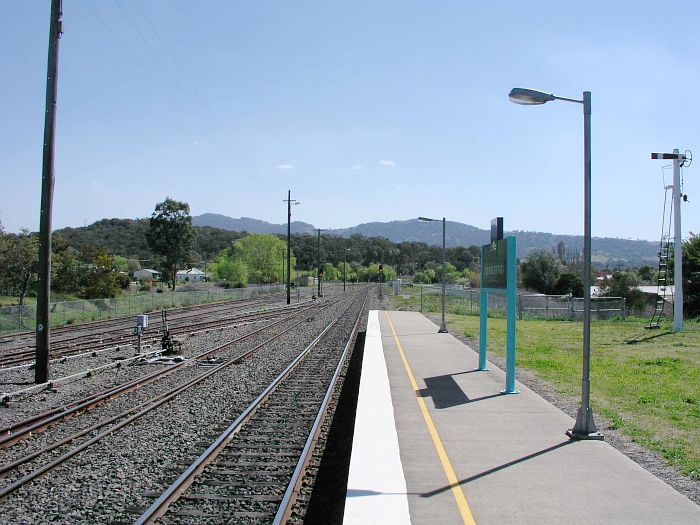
(529, 97)
(425, 219)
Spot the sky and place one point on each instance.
(365, 110)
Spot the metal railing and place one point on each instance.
(14, 319)
(466, 301)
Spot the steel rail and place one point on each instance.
(160, 506)
(285, 509)
(22, 429)
(156, 402)
(69, 350)
(112, 324)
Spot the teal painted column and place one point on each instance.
(511, 314)
(483, 317)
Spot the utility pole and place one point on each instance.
(678, 161)
(319, 230)
(43, 339)
(289, 202)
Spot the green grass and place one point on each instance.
(646, 383)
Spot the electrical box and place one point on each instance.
(142, 321)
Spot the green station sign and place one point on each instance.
(494, 265)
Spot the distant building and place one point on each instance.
(146, 275)
(305, 280)
(193, 275)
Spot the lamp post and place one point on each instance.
(345, 261)
(443, 326)
(289, 202)
(584, 428)
(319, 230)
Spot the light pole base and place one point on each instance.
(504, 391)
(584, 428)
(443, 328)
(486, 369)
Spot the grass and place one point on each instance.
(646, 383)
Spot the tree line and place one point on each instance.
(96, 261)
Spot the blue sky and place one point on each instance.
(367, 111)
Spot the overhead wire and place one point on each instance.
(202, 100)
(160, 85)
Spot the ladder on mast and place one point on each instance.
(663, 287)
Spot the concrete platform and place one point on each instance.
(436, 443)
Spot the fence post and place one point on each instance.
(520, 306)
(421, 298)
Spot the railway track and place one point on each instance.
(122, 327)
(60, 352)
(252, 472)
(125, 433)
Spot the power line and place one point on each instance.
(165, 90)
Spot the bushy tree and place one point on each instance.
(691, 276)
(569, 283)
(170, 235)
(102, 280)
(540, 271)
(624, 284)
(232, 271)
(257, 258)
(646, 273)
(19, 259)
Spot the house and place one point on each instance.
(193, 275)
(146, 275)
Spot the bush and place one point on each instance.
(145, 287)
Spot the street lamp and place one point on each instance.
(319, 230)
(289, 202)
(345, 260)
(443, 326)
(584, 428)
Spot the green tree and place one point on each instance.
(102, 280)
(232, 271)
(170, 235)
(330, 273)
(66, 268)
(540, 271)
(262, 254)
(569, 283)
(691, 276)
(19, 258)
(624, 284)
(646, 273)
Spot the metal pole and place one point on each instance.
(443, 326)
(677, 247)
(345, 261)
(43, 334)
(319, 261)
(585, 428)
(289, 246)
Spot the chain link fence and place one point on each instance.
(427, 298)
(16, 319)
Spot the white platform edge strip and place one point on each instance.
(376, 485)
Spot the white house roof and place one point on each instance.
(147, 270)
(191, 271)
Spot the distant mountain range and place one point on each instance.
(605, 250)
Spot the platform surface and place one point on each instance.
(436, 443)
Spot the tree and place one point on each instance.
(646, 273)
(569, 283)
(19, 258)
(262, 254)
(540, 271)
(101, 281)
(233, 272)
(170, 235)
(624, 284)
(691, 276)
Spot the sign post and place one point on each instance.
(499, 276)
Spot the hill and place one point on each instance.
(605, 250)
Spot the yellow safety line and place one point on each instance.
(461, 500)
